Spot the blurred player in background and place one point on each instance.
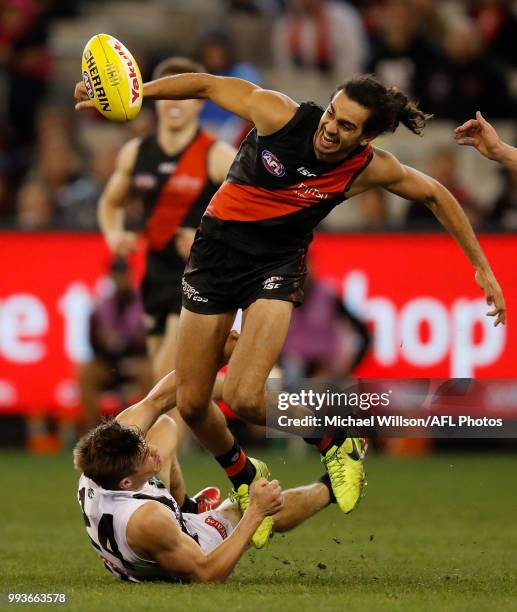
(296, 165)
(131, 494)
(176, 170)
(117, 338)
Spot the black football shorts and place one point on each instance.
(161, 297)
(219, 278)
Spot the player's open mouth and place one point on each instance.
(327, 141)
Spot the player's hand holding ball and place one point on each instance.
(266, 497)
(111, 80)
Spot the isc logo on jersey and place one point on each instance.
(272, 164)
(112, 78)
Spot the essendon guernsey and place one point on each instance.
(175, 191)
(277, 191)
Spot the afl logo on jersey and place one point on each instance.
(272, 164)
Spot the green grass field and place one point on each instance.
(437, 533)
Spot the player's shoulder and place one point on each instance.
(220, 158)
(272, 110)
(383, 168)
(128, 154)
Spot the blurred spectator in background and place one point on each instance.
(26, 63)
(35, 207)
(468, 79)
(443, 166)
(320, 35)
(401, 55)
(251, 7)
(216, 52)
(325, 340)
(497, 26)
(117, 337)
(503, 216)
(373, 209)
(78, 201)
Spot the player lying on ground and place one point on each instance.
(481, 135)
(292, 169)
(128, 489)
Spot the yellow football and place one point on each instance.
(112, 78)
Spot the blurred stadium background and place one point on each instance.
(411, 307)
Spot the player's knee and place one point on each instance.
(192, 407)
(247, 404)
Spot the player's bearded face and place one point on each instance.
(178, 114)
(340, 129)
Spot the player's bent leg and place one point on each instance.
(300, 504)
(201, 342)
(265, 325)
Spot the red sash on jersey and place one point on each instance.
(179, 193)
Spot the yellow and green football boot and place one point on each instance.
(344, 465)
(242, 497)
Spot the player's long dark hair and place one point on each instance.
(388, 106)
(109, 453)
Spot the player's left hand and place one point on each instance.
(494, 295)
(184, 239)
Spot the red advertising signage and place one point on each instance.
(417, 293)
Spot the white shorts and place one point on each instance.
(213, 527)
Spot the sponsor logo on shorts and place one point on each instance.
(273, 282)
(191, 293)
(88, 84)
(210, 520)
(272, 164)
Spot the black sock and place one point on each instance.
(189, 505)
(237, 466)
(325, 479)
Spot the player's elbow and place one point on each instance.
(206, 571)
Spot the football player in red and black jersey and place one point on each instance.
(296, 164)
(175, 171)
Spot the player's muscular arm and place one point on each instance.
(162, 397)
(386, 171)
(154, 534)
(113, 200)
(267, 110)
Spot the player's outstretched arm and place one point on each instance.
(162, 397)
(386, 171)
(113, 200)
(153, 533)
(481, 135)
(267, 110)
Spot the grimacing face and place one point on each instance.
(176, 115)
(340, 129)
